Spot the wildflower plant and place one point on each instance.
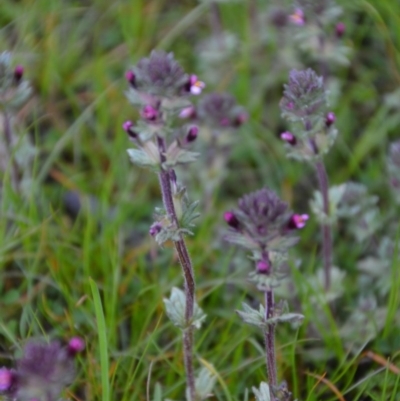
(43, 371)
(218, 116)
(161, 89)
(16, 153)
(264, 225)
(304, 105)
(319, 32)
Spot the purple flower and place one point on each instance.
(149, 113)
(289, 138)
(6, 379)
(194, 86)
(264, 224)
(160, 75)
(220, 110)
(231, 219)
(340, 29)
(297, 18)
(298, 221)
(304, 95)
(192, 134)
(18, 73)
(130, 77)
(330, 119)
(188, 112)
(263, 266)
(75, 345)
(43, 371)
(262, 212)
(155, 229)
(128, 128)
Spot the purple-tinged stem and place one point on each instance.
(9, 149)
(188, 274)
(326, 228)
(270, 339)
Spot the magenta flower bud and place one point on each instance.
(297, 221)
(289, 138)
(155, 229)
(128, 128)
(149, 113)
(263, 266)
(340, 29)
(240, 119)
(18, 73)
(330, 119)
(130, 77)
(192, 134)
(75, 345)
(188, 112)
(231, 219)
(6, 379)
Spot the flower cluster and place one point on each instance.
(43, 371)
(160, 87)
(161, 75)
(304, 105)
(216, 111)
(220, 110)
(264, 225)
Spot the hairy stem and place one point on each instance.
(9, 149)
(270, 339)
(165, 178)
(326, 228)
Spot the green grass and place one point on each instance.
(102, 277)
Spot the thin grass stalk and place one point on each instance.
(325, 228)
(8, 143)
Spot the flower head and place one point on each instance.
(220, 110)
(304, 95)
(264, 224)
(43, 371)
(160, 74)
(261, 217)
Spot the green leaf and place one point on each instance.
(102, 333)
